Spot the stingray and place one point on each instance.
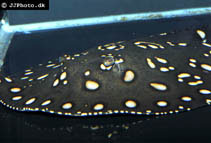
(160, 74)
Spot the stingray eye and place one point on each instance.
(108, 61)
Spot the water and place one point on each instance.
(33, 49)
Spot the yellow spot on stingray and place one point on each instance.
(180, 80)
(15, 98)
(192, 65)
(129, 76)
(8, 79)
(170, 43)
(98, 107)
(15, 89)
(161, 60)
(47, 102)
(63, 75)
(142, 46)
(130, 104)
(206, 67)
(159, 86)
(208, 101)
(206, 44)
(50, 65)
(164, 69)
(181, 107)
(67, 106)
(30, 101)
(182, 44)
(192, 60)
(186, 98)
(111, 47)
(150, 63)
(201, 34)
(163, 34)
(206, 55)
(204, 91)
(197, 77)
(56, 82)
(87, 73)
(183, 75)
(42, 77)
(171, 68)
(28, 73)
(194, 83)
(91, 85)
(162, 103)
(153, 46)
(25, 77)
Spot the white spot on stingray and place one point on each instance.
(63, 75)
(30, 101)
(162, 103)
(150, 63)
(130, 104)
(47, 102)
(129, 76)
(206, 67)
(98, 107)
(67, 106)
(16, 98)
(186, 98)
(91, 85)
(159, 86)
(15, 89)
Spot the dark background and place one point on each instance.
(32, 49)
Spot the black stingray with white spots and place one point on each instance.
(161, 74)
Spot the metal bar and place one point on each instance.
(28, 28)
